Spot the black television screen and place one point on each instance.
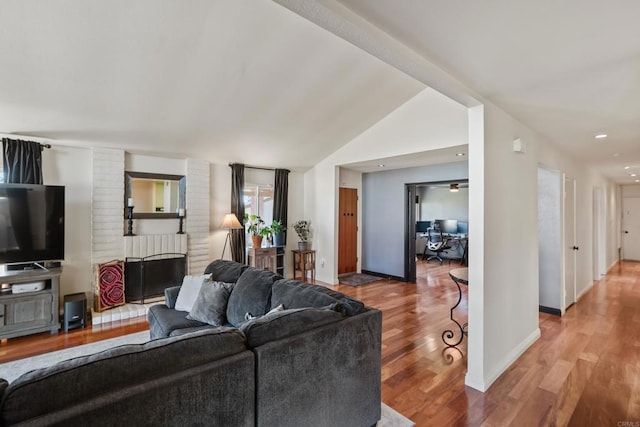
(422, 226)
(31, 223)
(449, 226)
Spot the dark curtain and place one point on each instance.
(237, 207)
(22, 161)
(281, 197)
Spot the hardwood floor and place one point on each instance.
(583, 371)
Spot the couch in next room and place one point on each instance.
(316, 351)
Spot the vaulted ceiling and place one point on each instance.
(252, 80)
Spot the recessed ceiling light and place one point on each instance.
(633, 174)
(616, 154)
(461, 154)
(637, 180)
(601, 136)
(626, 167)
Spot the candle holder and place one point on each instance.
(130, 221)
(181, 219)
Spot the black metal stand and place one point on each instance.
(130, 220)
(181, 218)
(448, 335)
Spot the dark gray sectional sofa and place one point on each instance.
(204, 378)
(316, 363)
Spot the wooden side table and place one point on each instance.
(304, 262)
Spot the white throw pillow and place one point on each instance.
(189, 291)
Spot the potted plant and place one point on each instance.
(277, 229)
(256, 229)
(304, 233)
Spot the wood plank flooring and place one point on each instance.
(583, 371)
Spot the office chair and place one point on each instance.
(436, 243)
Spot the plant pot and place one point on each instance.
(278, 239)
(304, 246)
(257, 241)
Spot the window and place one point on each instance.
(258, 200)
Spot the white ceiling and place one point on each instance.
(249, 80)
(227, 80)
(569, 69)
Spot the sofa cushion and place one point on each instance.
(297, 294)
(189, 291)
(46, 390)
(211, 304)
(251, 294)
(163, 320)
(225, 271)
(286, 323)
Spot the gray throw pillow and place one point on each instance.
(211, 304)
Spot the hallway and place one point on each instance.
(583, 371)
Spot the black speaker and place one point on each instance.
(75, 311)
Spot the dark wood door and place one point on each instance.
(348, 231)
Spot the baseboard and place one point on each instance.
(386, 276)
(550, 310)
(504, 364)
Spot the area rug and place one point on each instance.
(12, 370)
(357, 279)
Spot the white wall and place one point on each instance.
(428, 121)
(71, 167)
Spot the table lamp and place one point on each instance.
(229, 222)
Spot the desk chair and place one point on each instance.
(436, 243)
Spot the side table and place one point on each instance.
(304, 262)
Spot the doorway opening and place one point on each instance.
(435, 210)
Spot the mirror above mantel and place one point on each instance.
(154, 196)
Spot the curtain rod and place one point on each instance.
(259, 167)
(25, 138)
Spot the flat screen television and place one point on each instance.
(31, 223)
(449, 226)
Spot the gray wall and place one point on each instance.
(550, 238)
(383, 212)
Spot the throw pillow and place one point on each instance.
(189, 292)
(211, 304)
(252, 294)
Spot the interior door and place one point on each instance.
(570, 247)
(631, 228)
(348, 231)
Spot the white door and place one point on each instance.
(631, 228)
(570, 247)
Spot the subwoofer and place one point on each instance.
(75, 311)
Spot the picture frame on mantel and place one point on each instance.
(140, 190)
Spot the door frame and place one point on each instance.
(410, 223)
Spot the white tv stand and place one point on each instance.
(30, 312)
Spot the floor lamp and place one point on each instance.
(229, 222)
